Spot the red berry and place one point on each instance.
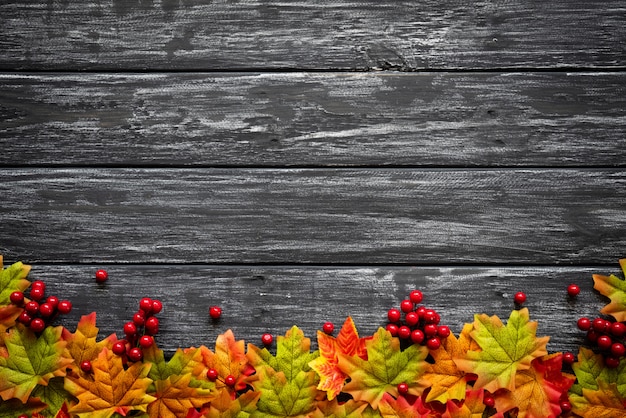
(417, 336)
(215, 312)
(573, 290)
(17, 298)
(101, 276)
(32, 307)
(393, 329)
(146, 341)
(37, 325)
(599, 324)
(135, 354)
(611, 362)
(46, 310)
(157, 306)
(145, 304)
(416, 296)
(393, 315)
(592, 336)
(404, 332)
(430, 330)
(139, 318)
(433, 343)
(37, 293)
(443, 331)
(618, 349)
(23, 416)
(406, 306)
(403, 388)
(53, 300)
(212, 375)
(519, 298)
(584, 324)
(618, 329)
(119, 347)
(411, 319)
(230, 380)
(604, 342)
(328, 328)
(85, 366)
(488, 400)
(130, 329)
(430, 316)
(152, 325)
(267, 339)
(38, 284)
(569, 358)
(420, 311)
(565, 405)
(24, 318)
(65, 307)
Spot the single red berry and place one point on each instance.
(230, 380)
(394, 315)
(85, 366)
(267, 339)
(37, 293)
(17, 298)
(584, 324)
(32, 307)
(604, 342)
(24, 318)
(46, 310)
(430, 330)
(139, 318)
(430, 316)
(119, 347)
(23, 416)
(53, 300)
(130, 329)
(406, 306)
(573, 290)
(611, 362)
(37, 325)
(101, 276)
(416, 296)
(618, 349)
(618, 329)
(146, 341)
(433, 343)
(411, 319)
(145, 304)
(328, 328)
(404, 332)
(65, 307)
(212, 375)
(600, 325)
(38, 284)
(417, 336)
(569, 358)
(565, 405)
(443, 331)
(215, 312)
(393, 329)
(403, 388)
(592, 336)
(488, 400)
(152, 325)
(519, 298)
(157, 306)
(135, 354)
(420, 311)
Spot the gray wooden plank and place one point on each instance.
(272, 299)
(304, 119)
(330, 34)
(343, 216)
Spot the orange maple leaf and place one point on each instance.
(175, 397)
(83, 345)
(229, 359)
(613, 288)
(224, 406)
(111, 389)
(471, 407)
(401, 407)
(605, 402)
(326, 365)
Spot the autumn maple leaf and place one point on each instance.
(400, 407)
(229, 358)
(112, 389)
(471, 407)
(225, 406)
(386, 367)
(605, 402)
(615, 289)
(31, 361)
(12, 278)
(326, 365)
(590, 370)
(349, 409)
(83, 345)
(505, 350)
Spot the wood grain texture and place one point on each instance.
(307, 119)
(272, 299)
(327, 216)
(330, 34)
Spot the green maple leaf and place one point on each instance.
(386, 367)
(615, 289)
(12, 278)
(590, 371)
(286, 382)
(53, 395)
(31, 361)
(504, 350)
(14, 407)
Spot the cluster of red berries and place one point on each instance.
(608, 336)
(38, 313)
(420, 325)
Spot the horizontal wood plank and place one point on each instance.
(341, 216)
(300, 119)
(201, 35)
(256, 300)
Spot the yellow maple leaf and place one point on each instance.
(175, 396)
(111, 389)
(605, 402)
(229, 358)
(83, 345)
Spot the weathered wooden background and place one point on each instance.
(298, 162)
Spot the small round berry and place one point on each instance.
(584, 324)
(32, 307)
(230, 380)
(430, 330)
(24, 318)
(145, 304)
(393, 329)
(53, 300)
(599, 324)
(46, 310)
(146, 341)
(433, 343)
(212, 375)
(135, 354)
(618, 329)
(565, 405)
(157, 306)
(443, 331)
(404, 332)
(611, 362)
(618, 349)
(406, 306)
(17, 298)
(215, 312)
(394, 315)
(85, 366)
(65, 307)
(328, 328)
(604, 342)
(430, 316)
(267, 339)
(119, 347)
(573, 290)
(38, 284)
(417, 336)
(592, 336)
(416, 296)
(130, 329)
(101, 276)
(37, 325)
(488, 400)
(403, 388)
(152, 325)
(569, 358)
(139, 318)
(411, 318)
(23, 416)
(519, 298)
(37, 294)
(420, 311)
